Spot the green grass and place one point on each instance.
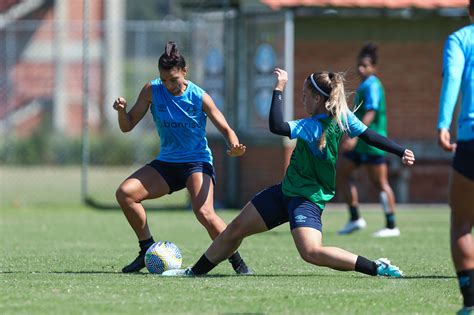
(27, 186)
(67, 260)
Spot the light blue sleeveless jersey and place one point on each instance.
(181, 124)
(458, 74)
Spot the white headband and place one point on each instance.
(317, 87)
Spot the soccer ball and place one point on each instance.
(162, 256)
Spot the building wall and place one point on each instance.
(410, 60)
(33, 53)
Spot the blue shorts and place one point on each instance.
(275, 209)
(371, 159)
(463, 161)
(176, 174)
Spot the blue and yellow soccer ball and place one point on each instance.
(163, 256)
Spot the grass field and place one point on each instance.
(67, 260)
(25, 186)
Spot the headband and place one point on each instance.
(317, 87)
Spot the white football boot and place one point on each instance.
(178, 273)
(386, 232)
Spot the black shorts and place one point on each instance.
(370, 159)
(176, 174)
(275, 209)
(463, 161)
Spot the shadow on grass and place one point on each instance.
(282, 275)
(65, 272)
(148, 274)
(429, 277)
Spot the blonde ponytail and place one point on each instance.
(337, 102)
(330, 85)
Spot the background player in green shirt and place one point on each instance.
(369, 103)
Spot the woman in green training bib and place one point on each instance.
(371, 110)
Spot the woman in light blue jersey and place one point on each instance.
(180, 109)
(458, 74)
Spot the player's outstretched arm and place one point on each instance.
(383, 143)
(127, 121)
(275, 120)
(218, 119)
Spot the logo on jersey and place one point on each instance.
(161, 108)
(300, 218)
(191, 110)
(174, 124)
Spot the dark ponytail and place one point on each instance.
(369, 50)
(171, 58)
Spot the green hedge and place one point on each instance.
(51, 149)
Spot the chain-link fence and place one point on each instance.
(42, 102)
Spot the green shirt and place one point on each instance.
(312, 172)
(371, 96)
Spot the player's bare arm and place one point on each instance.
(369, 117)
(215, 115)
(349, 144)
(444, 140)
(127, 121)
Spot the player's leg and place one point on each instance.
(145, 183)
(266, 211)
(201, 190)
(378, 175)
(346, 185)
(305, 224)
(308, 241)
(248, 222)
(462, 241)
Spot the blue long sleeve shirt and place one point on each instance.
(458, 75)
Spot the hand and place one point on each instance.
(236, 150)
(282, 78)
(120, 104)
(408, 157)
(444, 141)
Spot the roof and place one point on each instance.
(12, 10)
(392, 4)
